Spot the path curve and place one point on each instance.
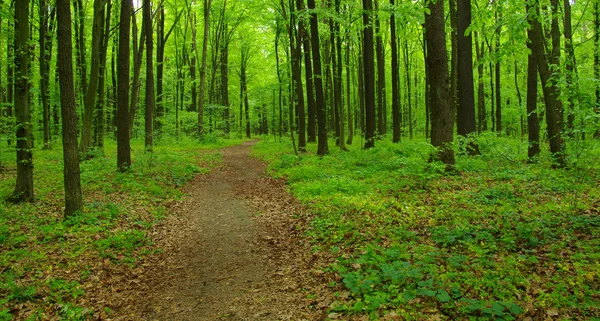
(232, 251)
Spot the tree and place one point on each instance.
(442, 119)
(149, 115)
(72, 182)
(45, 52)
(597, 61)
(322, 148)
(123, 144)
(466, 93)
(396, 115)
(550, 87)
(24, 188)
(533, 125)
(245, 56)
(368, 74)
(99, 116)
(381, 107)
(92, 89)
(207, 5)
(310, 92)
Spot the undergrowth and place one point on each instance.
(54, 268)
(498, 239)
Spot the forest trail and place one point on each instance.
(222, 260)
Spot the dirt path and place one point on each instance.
(223, 261)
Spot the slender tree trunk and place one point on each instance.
(44, 60)
(90, 95)
(322, 148)
(244, 88)
(570, 67)
(361, 91)
(533, 124)
(442, 120)
(296, 52)
(348, 95)
(80, 47)
(192, 64)
(519, 99)
(368, 74)
(10, 77)
(201, 94)
(380, 72)
(24, 188)
(407, 64)
(550, 89)
(138, 55)
(123, 144)
(454, 56)
(596, 63)
(497, 70)
(225, 80)
(427, 86)
(339, 105)
(149, 115)
(99, 122)
(466, 94)
(279, 81)
(310, 95)
(72, 182)
(396, 132)
(482, 122)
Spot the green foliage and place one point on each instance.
(500, 239)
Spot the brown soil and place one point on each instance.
(232, 251)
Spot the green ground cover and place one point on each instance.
(497, 239)
(49, 267)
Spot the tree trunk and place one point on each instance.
(244, 87)
(280, 85)
(533, 124)
(348, 95)
(99, 122)
(225, 81)
(310, 96)
(408, 90)
(72, 182)
(138, 54)
(550, 89)
(427, 87)
(44, 59)
(482, 119)
(149, 115)
(442, 116)
(92, 89)
(337, 77)
(570, 68)
(466, 94)
(80, 46)
(596, 62)
(322, 148)
(207, 4)
(368, 74)
(380, 73)
(123, 144)
(24, 188)
(396, 116)
(453, 56)
(497, 69)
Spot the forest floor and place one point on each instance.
(231, 250)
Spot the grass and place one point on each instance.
(499, 239)
(49, 266)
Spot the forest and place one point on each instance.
(292, 160)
